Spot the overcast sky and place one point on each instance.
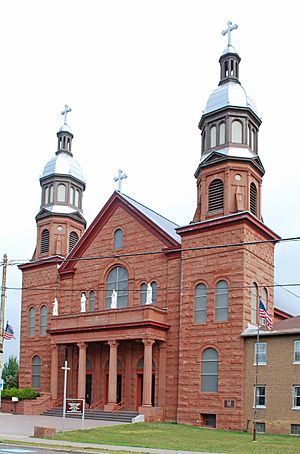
(137, 75)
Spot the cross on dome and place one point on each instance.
(228, 31)
(121, 176)
(64, 112)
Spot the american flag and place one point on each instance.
(9, 332)
(263, 313)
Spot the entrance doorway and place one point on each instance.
(140, 387)
(88, 389)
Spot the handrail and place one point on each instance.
(59, 403)
(120, 406)
(96, 405)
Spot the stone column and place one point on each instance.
(81, 370)
(147, 379)
(54, 370)
(162, 374)
(112, 378)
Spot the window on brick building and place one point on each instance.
(213, 136)
(216, 195)
(200, 304)
(209, 420)
(296, 396)
(260, 395)
(143, 292)
(260, 353)
(118, 239)
(254, 299)
(260, 427)
(61, 193)
(117, 280)
(43, 320)
(295, 429)
(236, 132)
(31, 321)
(209, 370)
(45, 240)
(73, 239)
(92, 300)
(221, 301)
(297, 351)
(36, 372)
(253, 199)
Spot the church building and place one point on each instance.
(149, 314)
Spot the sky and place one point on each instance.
(137, 75)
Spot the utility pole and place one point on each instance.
(3, 296)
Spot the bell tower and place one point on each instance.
(60, 221)
(229, 175)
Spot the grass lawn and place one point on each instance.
(183, 437)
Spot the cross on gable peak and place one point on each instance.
(121, 176)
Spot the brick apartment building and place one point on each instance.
(147, 313)
(278, 384)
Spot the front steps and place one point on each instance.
(120, 416)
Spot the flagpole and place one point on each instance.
(3, 297)
(256, 373)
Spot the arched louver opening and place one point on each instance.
(216, 195)
(73, 239)
(253, 199)
(45, 239)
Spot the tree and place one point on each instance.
(10, 373)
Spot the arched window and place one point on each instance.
(222, 133)
(236, 132)
(253, 139)
(88, 363)
(209, 370)
(143, 293)
(249, 136)
(46, 195)
(92, 300)
(43, 320)
(200, 304)
(77, 198)
(61, 193)
(36, 372)
(119, 364)
(203, 140)
(213, 136)
(253, 199)
(51, 194)
(118, 239)
(216, 195)
(117, 280)
(140, 364)
(221, 301)
(45, 239)
(71, 195)
(73, 238)
(31, 321)
(254, 296)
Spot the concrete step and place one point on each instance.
(121, 416)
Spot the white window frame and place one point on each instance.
(296, 396)
(265, 395)
(258, 353)
(296, 342)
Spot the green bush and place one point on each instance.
(25, 393)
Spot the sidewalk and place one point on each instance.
(20, 428)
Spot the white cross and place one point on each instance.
(121, 176)
(64, 112)
(229, 30)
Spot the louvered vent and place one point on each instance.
(73, 238)
(216, 195)
(45, 241)
(253, 199)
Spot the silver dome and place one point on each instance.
(63, 164)
(229, 94)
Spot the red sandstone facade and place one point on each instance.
(180, 358)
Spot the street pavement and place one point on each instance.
(21, 427)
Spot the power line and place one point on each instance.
(14, 262)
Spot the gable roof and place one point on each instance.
(158, 225)
(284, 327)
